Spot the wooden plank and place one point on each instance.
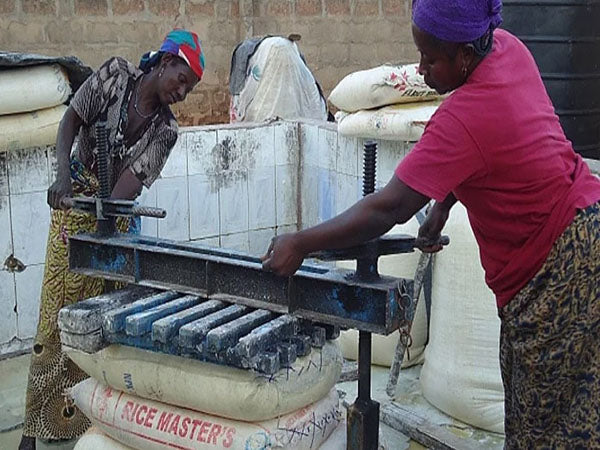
(421, 430)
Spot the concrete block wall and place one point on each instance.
(338, 36)
(341, 36)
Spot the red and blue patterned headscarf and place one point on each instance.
(182, 43)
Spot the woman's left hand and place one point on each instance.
(284, 256)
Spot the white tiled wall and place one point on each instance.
(30, 218)
(28, 288)
(230, 186)
(8, 301)
(204, 206)
(24, 220)
(331, 170)
(6, 246)
(172, 195)
(28, 170)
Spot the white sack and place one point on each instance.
(215, 389)
(380, 86)
(404, 122)
(32, 88)
(337, 439)
(461, 374)
(31, 129)
(94, 439)
(383, 348)
(149, 425)
(279, 85)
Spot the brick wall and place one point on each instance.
(338, 36)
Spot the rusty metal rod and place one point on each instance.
(114, 207)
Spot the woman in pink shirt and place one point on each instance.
(496, 145)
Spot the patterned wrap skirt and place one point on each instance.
(550, 346)
(48, 414)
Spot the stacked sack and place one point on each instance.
(146, 400)
(31, 105)
(386, 102)
(461, 374)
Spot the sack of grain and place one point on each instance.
(30, 129)
(461, 373)
(380, 86)
(403, 122)
(32, 88)
(337, 439)
(147, 424)
(95, 439)
(383, 348)
(215, 389)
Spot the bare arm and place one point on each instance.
(67, 130)
(372, 216)
(128, 186)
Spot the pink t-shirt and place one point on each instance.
(498, 146)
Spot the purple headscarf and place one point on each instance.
(457, 20)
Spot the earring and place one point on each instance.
(464, 71)
(161, 72)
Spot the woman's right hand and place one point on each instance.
(283, 256)
(60, 189)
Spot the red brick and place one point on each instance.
(65, 9)
(394, 7)
(7, 6)
(235, 9)
(367, 8)
(199, 108)
(337, 7)
(279, 8)
(220, 99)
(309, 7)
(201, 7)
(166, 8)
(40, 7)
(124, 7)
(91, 7)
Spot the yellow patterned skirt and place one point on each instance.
(48, 415)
